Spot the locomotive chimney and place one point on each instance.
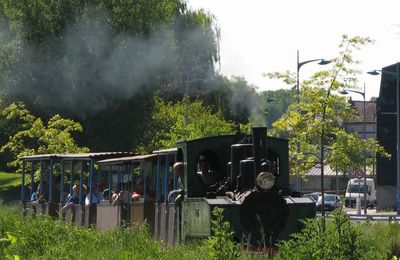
(259, 148)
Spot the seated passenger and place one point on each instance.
(72, 200)
(40, 196)
(175, 195)
(106, 195)
(119, 198)
(94, 197)
(178, 170)
(138, 189)
(35, 195)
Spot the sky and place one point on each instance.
(259, 36)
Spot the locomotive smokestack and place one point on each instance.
(259, 148)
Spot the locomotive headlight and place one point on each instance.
(266, 180)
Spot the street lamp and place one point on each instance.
(299, 64)
(397, 75)
(345, 92)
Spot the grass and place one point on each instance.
(45, 238)
(9, 180)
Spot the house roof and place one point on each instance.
(328, 171)
(316, 171)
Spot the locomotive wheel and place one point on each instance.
(263, 214)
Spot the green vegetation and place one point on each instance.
(314, 124)
(342, 240)
(170, 127)
(221, 244)
(9, 180)
(29, 135)
(42, 237)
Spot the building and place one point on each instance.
(387, 136)
(357, 125)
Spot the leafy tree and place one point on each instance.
(277, 103)
(169, 123)
(13, 119)
(313, 126)
(37, 137)
(99, 62)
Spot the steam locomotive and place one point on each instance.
(251, 184)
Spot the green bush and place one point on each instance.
(221, 244)
(339, 239)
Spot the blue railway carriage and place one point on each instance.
(54, 176)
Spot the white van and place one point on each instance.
(355, 189)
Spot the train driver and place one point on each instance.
(205, 172)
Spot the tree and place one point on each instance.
(169, 123)
(98, 62)
(277, 103)
(313, 126)
(36, 137)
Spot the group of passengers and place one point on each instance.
(96, 197)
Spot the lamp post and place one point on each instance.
(345, 92)
(397, 75)
(299, 64)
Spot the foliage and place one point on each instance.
(221, 244)
(9, 180)
(37, 137)
(277, 103)
(314, 124)
(388, 237)
(340, 240)
(100, 62)
(42, 237)
(169, 123)
(5, 243)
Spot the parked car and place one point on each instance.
(313, 195)
(331, 202)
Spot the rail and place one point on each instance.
(369, 217)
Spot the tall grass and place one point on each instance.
(342, 239)
(42, 237)
(45, 238)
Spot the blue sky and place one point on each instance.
(263, 36)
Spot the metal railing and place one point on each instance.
(370, 217)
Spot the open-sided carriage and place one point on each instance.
(54, 176)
